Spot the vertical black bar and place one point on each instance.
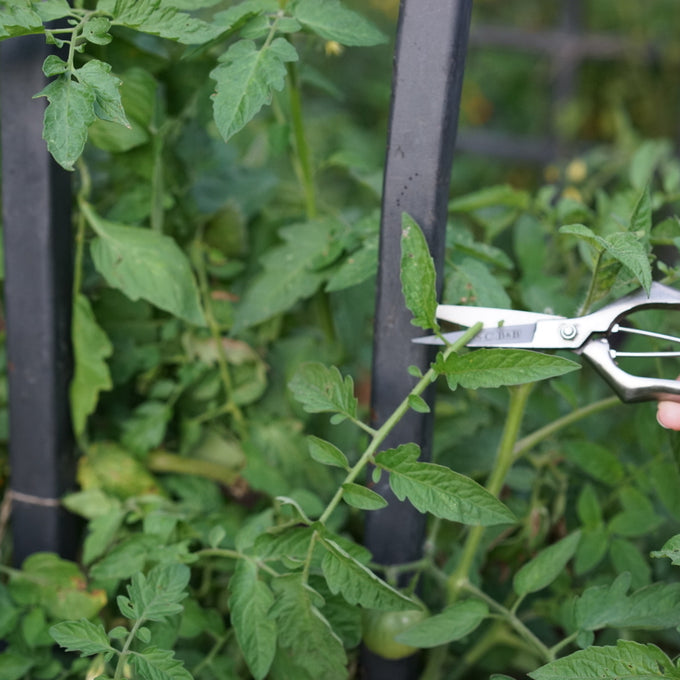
(431, 46)
(36, 201)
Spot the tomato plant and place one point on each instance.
(228, 165)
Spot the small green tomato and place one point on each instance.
(380, 629)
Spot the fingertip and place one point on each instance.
(668, 415)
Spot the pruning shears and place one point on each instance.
(588, 335)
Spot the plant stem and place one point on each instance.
(512, 619)
(504, 459)
(157, 184)
(125, 652)
(79, 253)
(303, 157)
(531, 440)
(381, 433)
(588, 302)
(228, 554)
(563, 643)
(207, 661)
(229, 406)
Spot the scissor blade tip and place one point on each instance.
(428, 340)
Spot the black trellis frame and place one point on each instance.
(36, 205)
(429, 65)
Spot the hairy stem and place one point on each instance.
(125, 652)
(588, 302)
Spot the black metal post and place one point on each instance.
(36, 201)
(431, 46)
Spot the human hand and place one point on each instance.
(668, 414)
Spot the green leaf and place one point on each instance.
(439, 490)
(100, 534)
(151, 16)
(622, 246)
(145, 429)
(503, 195)
(91, 347)
(96, 31)
(325, 453)
(158, 664)
(646, 159)
(595, 460)
(246, 77)
(665, 478)
(321, 389)
(49, 10)
(361, 497)
(418, 404)
(81, 636)
(496, 367)
(54, 66)
(472, 281)
(106, 88)
(333, 21)
(653, 607)
(627, 249)
(157, 595)
(638, 516)
(583, 233)
(588, 507)
(235, 17)
(249, 604)
(592, 548)
(626, 556)
(543, 569)
(291, 271)
(305, 631)
(19, 19)
(145, 264)
(359, 266)
(70, 112)
(454, 623)
(358, 584)
(418, 276)
(627, 661)
(14, 666)
(641, 219)
(670, 549)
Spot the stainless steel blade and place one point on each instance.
(499, 336)
(491, 317)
